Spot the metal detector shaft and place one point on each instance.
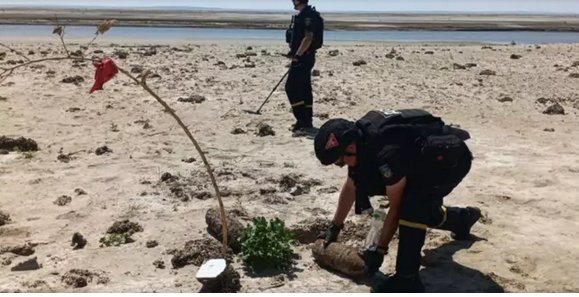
(275, 88)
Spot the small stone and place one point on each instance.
(470, 65)
(73, 80)
(189, 160)
(137, 69)
(4, 152)
(31, 53)
(555, 109)
(505, 99)
(78, 241)
(549, 130)
(196, 99)
(27, 265)
(487, 72)
(160, 264)
(63, 200)
(400, 58)
(250, 54)
(79, 191)
(97, 52)
(334, 53)
(359, 63)
(237, 131)
(429, 53)
(456, 66)
(574, 75)
(265, 130)
(390, 56)
(316, 73)
(250, 65)
(516, 57)
(103, 150)
(151, 244)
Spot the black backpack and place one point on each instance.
(437, 142)
(318, 41)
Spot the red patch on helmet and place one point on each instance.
(332, 142)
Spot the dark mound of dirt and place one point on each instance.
(193, 99)
(197, 251)
(228, 282)
(21, 144)
(73, 80)
(79, 278)
(79, 191)
(487, 72)
(21, 250)
(4, 218)
(27, 265)
(168, 177)
(359, 63)
(63, 200)
(126, 226)
(78, 241)
(307, 231)
(237, 131)
(265, 130)
(554, 109)
(160, 264)
(103, 150)
(151, 244)
(574, 75)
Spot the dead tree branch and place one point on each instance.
(15, 51)
(103, 27)
(143, 83)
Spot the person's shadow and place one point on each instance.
(449, 276)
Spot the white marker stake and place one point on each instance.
(211, 269)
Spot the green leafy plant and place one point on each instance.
(267, 245)
(115, 239)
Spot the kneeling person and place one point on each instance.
(413, 158)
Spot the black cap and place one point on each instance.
(333, 138)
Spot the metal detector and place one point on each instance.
(258, 111)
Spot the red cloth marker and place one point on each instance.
(105, 71)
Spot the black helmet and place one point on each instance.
(333, 138)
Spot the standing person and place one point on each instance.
(304, 37)
(416, 160)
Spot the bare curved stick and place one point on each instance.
(143, 83)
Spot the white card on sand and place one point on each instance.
(211, 269)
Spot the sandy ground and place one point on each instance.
(261, 19)
(524, 176)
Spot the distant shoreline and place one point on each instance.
(279, 20)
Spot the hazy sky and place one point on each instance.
(535, 6)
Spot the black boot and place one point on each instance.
(460, 220)
(398, 284)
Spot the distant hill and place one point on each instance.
(201, 8)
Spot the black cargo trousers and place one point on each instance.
(298, 88)
(422, 207)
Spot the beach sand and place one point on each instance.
(524, 176)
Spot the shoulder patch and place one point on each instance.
(308, 21)
(386, 171)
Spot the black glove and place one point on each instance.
(331, 234)
(373, 260)
(298, 62)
